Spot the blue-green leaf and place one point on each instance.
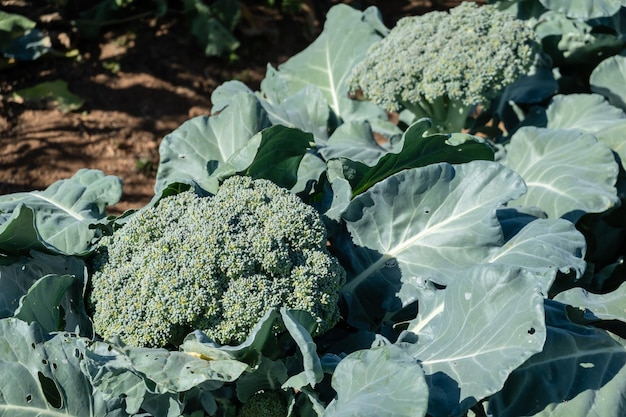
(19, 276)
(609, 79)
(544, 247)
(584, 9)
(328, 61)
(382, 382)
(433, 221)
(43, 377)
(484, 325)
(580, 372)
(590, 113)
(58, 219)
(610, 306)
(207, 149)
(568, 173)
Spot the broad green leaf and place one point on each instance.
(584, 9)
(328, 61)
(224, 94)
(417, 150)
(56, 92)
(590, 113)
(382, 382)
(279, 155)
(544, 247)
(356, 141)
(568, 172)
(262, 334)
(180, 371)
(580, 372)
(610, 306)
(60, 216)
(609, 79)
(488, 322)
(306, 110)
(113, 375)
(312, 373)
(18, 277)
(41, 303)
(42, 377)
(207, 149)
(433, 221)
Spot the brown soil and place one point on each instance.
(139, 81)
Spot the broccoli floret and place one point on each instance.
(216, 264)
(442, 64)
(264, 404)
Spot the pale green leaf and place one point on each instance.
(328, 61)
(584, 9)
(609, 79)
(181, 371)
(590, 113)
(433, 221)
(544, 247)
(568, 172)
(61, 215)
(381, 382)
(312, 373)
(207, 149)
(43, 378)
(477, 331)
(610, 306)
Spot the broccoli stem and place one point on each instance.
(447, 115)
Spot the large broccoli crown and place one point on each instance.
(468, 54)
(216, 264)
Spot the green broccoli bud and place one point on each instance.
(216, 264)
(264, 404)
(442, 64)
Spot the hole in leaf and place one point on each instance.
(50, 391)
(77, 353)
(531, 330)
(33, 345)
(29, 398)
(426, 210)
(54, 366)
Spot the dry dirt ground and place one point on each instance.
(139, 81)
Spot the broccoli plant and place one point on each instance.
(442, 65)
(216, 263)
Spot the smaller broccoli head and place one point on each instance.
(215, 264)
(467, 55)
(264, 404)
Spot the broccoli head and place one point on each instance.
(216, 264)
(264, 404)
(442, 64)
